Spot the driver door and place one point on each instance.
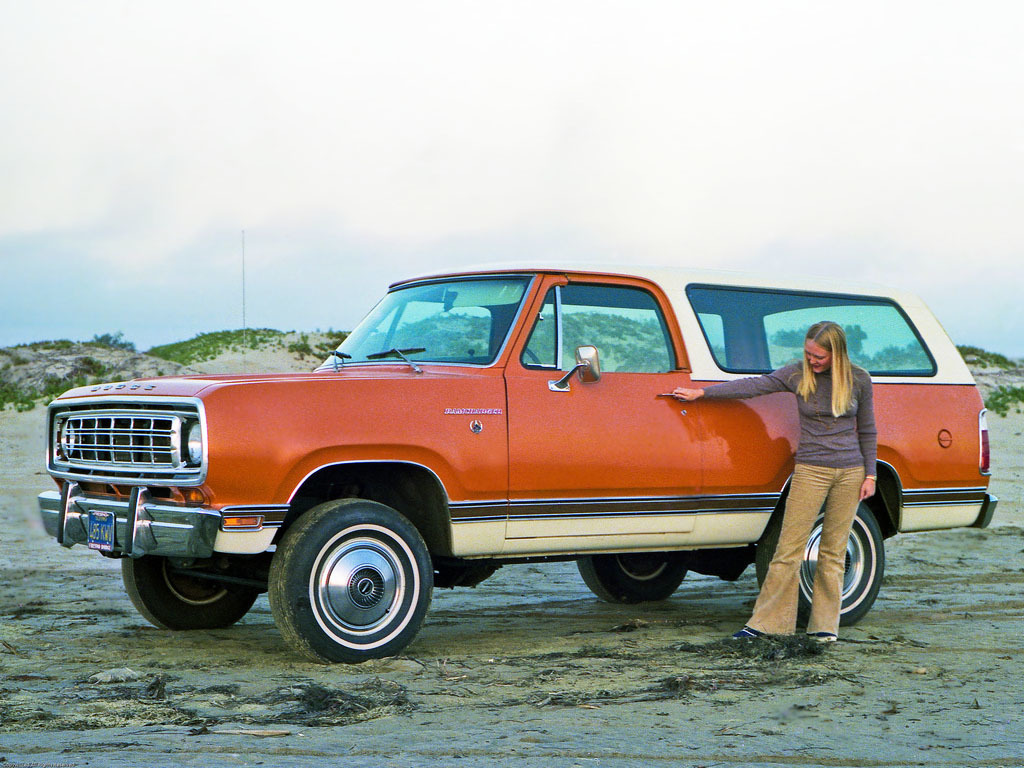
(604, 459)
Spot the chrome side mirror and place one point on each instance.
(588, 366)
(587, 356)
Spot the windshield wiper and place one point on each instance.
(343, 356)
(393, 352)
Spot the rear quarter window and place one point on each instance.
(757, 330)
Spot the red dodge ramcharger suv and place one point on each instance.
(491, 417)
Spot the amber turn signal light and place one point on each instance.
(247, 521)
(193, 496)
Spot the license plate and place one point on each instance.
(101, 530)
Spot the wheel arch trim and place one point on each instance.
(437, 532)
(368, 462)
(889, 496)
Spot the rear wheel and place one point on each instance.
(351, 580)
(632, 578)
(865, 564)
(173, 600)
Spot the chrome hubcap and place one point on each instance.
(855, 566)
(358, 584)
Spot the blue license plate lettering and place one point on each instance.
(101, 530)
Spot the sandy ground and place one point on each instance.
(526, 669)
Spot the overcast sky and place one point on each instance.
(360, 143)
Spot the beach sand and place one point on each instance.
(527, 669)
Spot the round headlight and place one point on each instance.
(66, 439)
(195, 443)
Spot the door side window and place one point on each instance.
(542, 347)
(625, 324)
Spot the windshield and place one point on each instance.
(450, 321)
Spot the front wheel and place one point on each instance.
(351, 580)
(865, 564)
(170, 599)
(632, 578)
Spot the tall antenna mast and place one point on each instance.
(245, 328)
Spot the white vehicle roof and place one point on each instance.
(950, 366)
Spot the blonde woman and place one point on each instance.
(835, 467)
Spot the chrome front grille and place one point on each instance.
(123, 441)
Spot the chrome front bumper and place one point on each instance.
(142, 527)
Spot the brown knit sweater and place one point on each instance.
(845, 441)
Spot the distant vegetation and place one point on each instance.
(52, 345)
(21, 399)
(207, 346)
(86, 367)
(320, 350)
(1004, 398)
(114, 341)
(42, 370)
(980, 356)
(23, 394)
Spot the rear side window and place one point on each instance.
(755, 331)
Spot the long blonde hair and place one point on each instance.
(831, 337)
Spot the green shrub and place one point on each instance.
(1003, 398)
(90, 366)
(301, 347)
(19, 398)
(114, 341)
(334, 338)
(92, 371)
(992, 359)
(54, 385)
(207, 346)
(49, 345)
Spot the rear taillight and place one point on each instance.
(985, 460)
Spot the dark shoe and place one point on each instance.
(822, 637)
(748, 633)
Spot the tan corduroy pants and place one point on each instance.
(776, 607)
